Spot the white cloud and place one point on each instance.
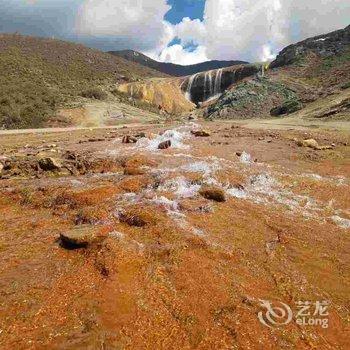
(258, 29)
(139, 21)
(232, 29)
(177, 54)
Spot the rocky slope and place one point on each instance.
(164, 94)
(326, 45)
(38, 75)
(302, 73)
(173, 69)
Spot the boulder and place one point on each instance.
(82, 236)
(200, 133)
(213, 193)
(164, 145)
(49, 164)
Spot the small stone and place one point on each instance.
(81, 236)
(140, 135)
(49, 164)
(129, 139)
(132, 219)
(311, 143)
(164, 145)
(213, 193)
(238, 154)
(200, 133)
(133, 170)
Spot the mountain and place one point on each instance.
(325, 45)
(310, 78)
(170, 68)
(37, 76)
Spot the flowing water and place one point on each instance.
(263, 185)
(212, 84)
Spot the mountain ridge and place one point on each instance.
(171, 68)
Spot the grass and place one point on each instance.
(37, 76)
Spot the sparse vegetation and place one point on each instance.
(253, 98)
(37, 76)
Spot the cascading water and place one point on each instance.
(191, 80)
(211, 86)
(217, 84)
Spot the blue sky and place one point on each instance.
(185, 8)
(178, 31)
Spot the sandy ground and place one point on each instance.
(176, 270)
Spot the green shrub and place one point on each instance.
(95, 93)
(346, 85)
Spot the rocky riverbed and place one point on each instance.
(169, 236)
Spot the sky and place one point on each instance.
(178, 31)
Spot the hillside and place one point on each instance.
(170, 68)
(39, 75)
(303, 73)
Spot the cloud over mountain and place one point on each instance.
(230, 29)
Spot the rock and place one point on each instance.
(287, 107)
(132, 219)
(164, 145)
(238, 154)
(1, 167)
(200, 133)
(129, 139)
(49, 164)
(213, 193)
(311, 143)
(140, 135)
(133, 170)
(82, 236)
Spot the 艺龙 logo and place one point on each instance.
(280, 314)
(275, 315)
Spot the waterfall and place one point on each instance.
(217, 83)
(208, 84)
(212, 81)
(191, 80)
